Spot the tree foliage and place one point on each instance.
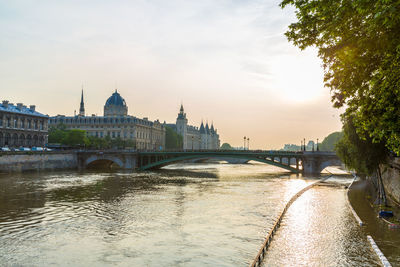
(173, 140)
(359, 154)
(329, 142)
(75, 137)
(226, 146)
(359, 44)
(78, 138)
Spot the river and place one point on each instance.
(184, 215)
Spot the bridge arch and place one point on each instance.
(171, 160)
(103, 160)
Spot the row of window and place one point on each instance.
(22, 123)
(115, 134)
(100, 120)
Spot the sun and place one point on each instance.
(299, 78)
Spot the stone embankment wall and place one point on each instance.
(390, 173)
(391, 178)
(31, 161)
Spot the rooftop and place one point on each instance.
(20, 109)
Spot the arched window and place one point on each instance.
(22, 140)
(29, 140)
(7, 139)
(14, 140)
(35, 140)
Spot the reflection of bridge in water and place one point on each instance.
(305, 162)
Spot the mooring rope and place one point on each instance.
(374, 246)
(261, 253)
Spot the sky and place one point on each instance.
(227, 61)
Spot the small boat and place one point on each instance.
(394, 226)
(385, 214)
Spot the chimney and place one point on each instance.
(32, 107)
(5, 103)
(19, 106)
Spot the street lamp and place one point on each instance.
(244, 143)
(248, 143)
(304, 143)
(301, 145)
(317, 145)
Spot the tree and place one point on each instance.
(226, 146)
(173, 140)
(359, 44)
(76, 137)
(359, 154)
(329, 142)
(57, 134)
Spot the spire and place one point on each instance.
(181, 114)
(82, 107)
(207, 128)
(202, 130)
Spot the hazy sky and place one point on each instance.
(227, 61)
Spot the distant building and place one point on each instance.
(22, 126)
(204, 137)
(291, 147)
(310, 146)
(116, 123)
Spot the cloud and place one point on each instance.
(223, 58)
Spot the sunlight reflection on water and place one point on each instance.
(187, 214)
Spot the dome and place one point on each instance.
(116, 100)
(115, 106)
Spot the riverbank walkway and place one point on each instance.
(319, 230)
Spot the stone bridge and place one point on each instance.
(305, 162)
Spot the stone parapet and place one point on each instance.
(37, 161)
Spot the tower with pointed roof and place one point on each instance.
(203, 137)
(181, 126)
(82, 106)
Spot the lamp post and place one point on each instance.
(317, 145)
(248, 143)
(301, 145)
(244, 143)
(304, 143)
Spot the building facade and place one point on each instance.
(148, 135)
(21, 126)
(193, 137)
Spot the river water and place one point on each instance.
(184, 215)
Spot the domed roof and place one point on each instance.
(115, 99)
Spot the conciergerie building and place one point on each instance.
(116, 123)
(194, 137)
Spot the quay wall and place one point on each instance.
(37, 161)
(391, 178)
(390, 174)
